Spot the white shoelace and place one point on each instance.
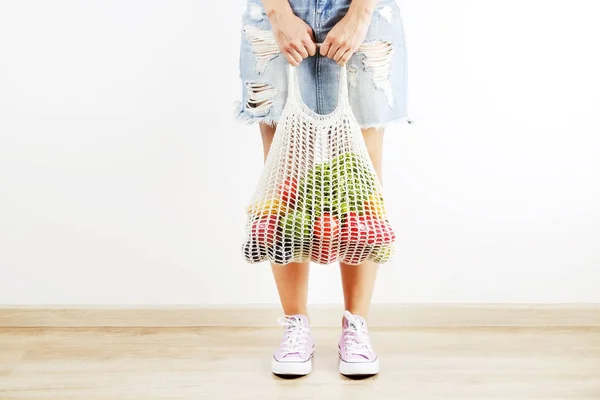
(356, 339)
(296, 335)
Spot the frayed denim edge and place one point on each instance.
(378, 125)
(242, 116)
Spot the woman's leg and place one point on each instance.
(291, 279)
(358, 281)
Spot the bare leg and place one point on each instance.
(291, 279)
(358, 281)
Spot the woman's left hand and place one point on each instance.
(347, 35)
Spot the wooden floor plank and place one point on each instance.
(381, 315)
(233, 363)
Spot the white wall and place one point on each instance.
(123, 178)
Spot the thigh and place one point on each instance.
(374, 141)
(377, 73)
(267, 133)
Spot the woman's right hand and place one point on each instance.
(293, 36)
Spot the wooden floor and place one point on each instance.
(233, 363)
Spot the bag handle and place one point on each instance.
(294, 88)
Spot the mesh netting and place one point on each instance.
(318, 198)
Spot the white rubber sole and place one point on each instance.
(291, 368)
(359, 368)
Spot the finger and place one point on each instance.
(337, 57)
(310, 33)
(309, 43)
(295, 55)
(346, 57)
(332, 50)
(311, 48)
(325, 46)
(291, 59)
(300, 49)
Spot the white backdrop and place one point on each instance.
(123, 178)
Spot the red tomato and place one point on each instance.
(324, 252)
(264, 229)
(327, 228)
(288, 190)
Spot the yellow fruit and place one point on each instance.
(375, 206)
(267, 207)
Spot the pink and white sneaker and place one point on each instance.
(356, 353)
(294, 356)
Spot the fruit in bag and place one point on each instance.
(374, 206)
(325, 247)
(281, 252)
(353, 180)
(356, 253)
(324, 252)
(297, 224)
(382, 254)
(327, 228)
(367, 229)
(318, 197)
(314, 190)
(381, 231)
(264, 229)
(288, 191)
(268, 207)
(254, 252)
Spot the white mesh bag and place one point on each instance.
(318, 197)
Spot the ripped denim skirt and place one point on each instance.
(376, 72)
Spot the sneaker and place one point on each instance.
(294, 356)
(356, 353)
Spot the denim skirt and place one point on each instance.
(377, 75)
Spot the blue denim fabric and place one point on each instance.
(376, 89)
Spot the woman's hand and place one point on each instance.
(347, 35)
(293, 36)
